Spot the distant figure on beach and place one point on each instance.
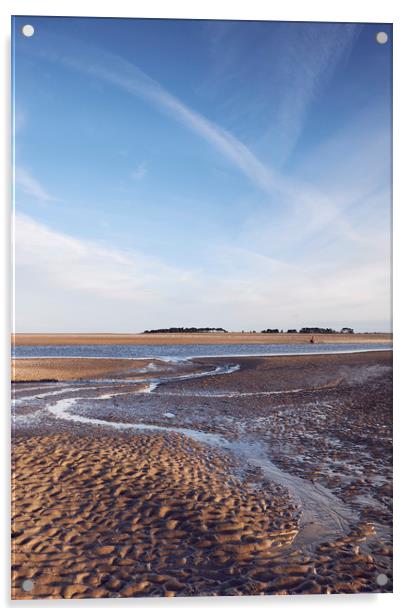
(312, 340)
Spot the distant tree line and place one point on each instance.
(204, 330)
(185, 330)
(317, 330)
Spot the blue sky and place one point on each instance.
(227, 174)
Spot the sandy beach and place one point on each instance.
(68, 369)
(209, 338)
(247, 476)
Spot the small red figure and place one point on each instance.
(312, 340)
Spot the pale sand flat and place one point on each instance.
(210, 338)
(68, 369)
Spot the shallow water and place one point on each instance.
(187, 351)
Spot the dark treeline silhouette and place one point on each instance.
(184, 330)
(317, 330)
(204, 330)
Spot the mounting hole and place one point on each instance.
(382, 579)
(27, 30)
(27, 585)
(382, 37)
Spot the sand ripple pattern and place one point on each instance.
(149, 514)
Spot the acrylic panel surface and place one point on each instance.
(202, 348)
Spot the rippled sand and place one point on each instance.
(141, 515)
(293, 497)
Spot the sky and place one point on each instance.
(201, 173)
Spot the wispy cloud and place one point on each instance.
(133, 80)
(139, 172)
(31, 186)
(352, 208)
(87, 266)
(127, 76)
(130, 78)
(311, 56)
(121, 290)
(289, 68)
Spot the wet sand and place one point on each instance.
(271, 476)
(68, 369)
(209, 338)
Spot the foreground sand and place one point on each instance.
(99, 512)
(211, 338)
(159, 516)
(151, 515)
